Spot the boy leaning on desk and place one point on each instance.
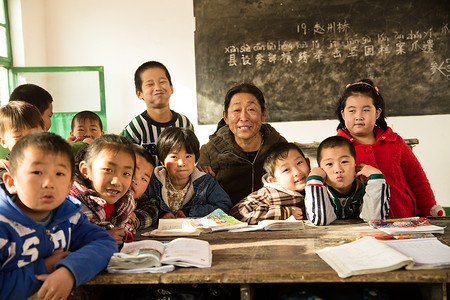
(333, 192)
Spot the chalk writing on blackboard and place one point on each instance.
(303, 53)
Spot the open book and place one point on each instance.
(175, 227)
(183, 252)
(218, 220)
(289, 224)
(368, 255)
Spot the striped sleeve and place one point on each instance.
(319, 209)
(376, 199)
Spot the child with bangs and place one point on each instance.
(102, 183)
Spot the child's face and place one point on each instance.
(339, 165)
(180, 165)
(360, 115)
(291, 172)
(11, 136)
(141, 178)
(110, 174)
(42, 182)
(156, 89)
(86, 128)
(47, 117)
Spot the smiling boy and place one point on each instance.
(153, 86)
(47, 244)
(333, 192)
(283, 192)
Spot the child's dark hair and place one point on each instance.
(139, 150)
(47, 142)
(367, 88)
(108, 142)
(335, 141)
(32, 94)
(84, 115)
(172, 139)
(278, 151)
(145, 66)
(18, 115)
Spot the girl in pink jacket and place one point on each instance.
(361, 113)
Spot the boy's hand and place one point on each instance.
(297, 212)
(318, 171)
(88, 140)
(118, 234)
(56, 256)
(207, 169)
(56, 285)
(168, 216)
(131, 221)
(71, 139)
(366, 170)
(180, 214)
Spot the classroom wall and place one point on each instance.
(120, 35)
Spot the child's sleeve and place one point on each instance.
(257, 206)
(376, 199)
(215, 197)
(17, 281)
(417, 181)
(319, 209)
(146, 213)
(91, 247)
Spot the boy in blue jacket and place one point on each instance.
(46, 243)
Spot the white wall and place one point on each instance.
(120, 35)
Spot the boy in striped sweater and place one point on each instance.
(333, 192)
(153, 86)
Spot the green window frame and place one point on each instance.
(61, 121)
(5, 60)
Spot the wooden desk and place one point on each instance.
(279, 257)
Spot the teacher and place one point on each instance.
(235, 153)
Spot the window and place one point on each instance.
(5, 52)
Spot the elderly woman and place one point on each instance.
(235, 152)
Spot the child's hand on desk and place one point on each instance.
(56, 256)
(318, 171)
(180, 214)
(57, 285)
(297, 212)
(131, 221)
(168, 216)
(118, 234)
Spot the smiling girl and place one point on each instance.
(180, 188)
(361, 112)
(102, 184)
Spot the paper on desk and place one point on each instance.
(161, 269)
(416, 229)
(426, 252)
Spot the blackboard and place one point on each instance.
(301, 54)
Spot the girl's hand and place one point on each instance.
(297, 212)
(318, 171)
(180, 214)
(168, 216)
(363, 171)
(131, 221)
(118, 234)
(56, 256)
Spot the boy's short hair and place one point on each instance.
(335, 141)
(19, 114)
(47, 142)
(33, 94)
(141, 151)
(86, 114)
(278, 151)
(173, 138)
(145, 66)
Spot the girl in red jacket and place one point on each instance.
(361, 113)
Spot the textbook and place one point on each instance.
(406, 226)
(145, 254)
(289, 224)
(218, 220)
(175, 227)
(369, 255)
